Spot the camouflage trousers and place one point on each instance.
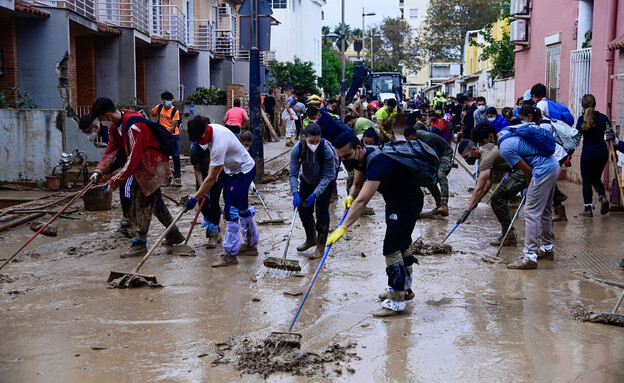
(506, 190)
(443, 171)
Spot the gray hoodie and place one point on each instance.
(312, 171)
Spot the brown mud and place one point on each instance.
(257, 357)
(50, 230)
(420, 247)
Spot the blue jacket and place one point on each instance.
(500, 123)
(331, 127)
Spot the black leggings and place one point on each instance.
(593, 161)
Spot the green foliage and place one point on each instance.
(297, 75)
(501, 52)
(587, 43)
(23, 99)
(131, 104)
(332, 71)
(207, 96)
(398, 44)
(3, 100)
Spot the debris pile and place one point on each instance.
(586, 314)
(420, 247)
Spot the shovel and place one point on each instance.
(283, 263)
(184, 249)
(291, 339)
(270, 220)
(150, 279)
(510, 225)
(613, 156)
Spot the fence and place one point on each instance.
(169, 22)
(580, 65)
(125, 13)
(201, 34)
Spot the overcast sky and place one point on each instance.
(353, 11)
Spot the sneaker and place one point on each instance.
(173, 238)
(408, 296)
(137, 249)
(386, 313)
(248, 250)
(523, 263)
(510, 240)
(177, 182)
(604, 205)
(546, 251)
(587, 212)
(123, 230)
(225, 260)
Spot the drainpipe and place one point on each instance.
(609, 54)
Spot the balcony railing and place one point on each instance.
(201, 34)
(226, 40)
(125, 13)
(84, 8)
(265, 56)
(169, 23)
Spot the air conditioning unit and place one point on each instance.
(519, 8)
(519, 32)
(225, 10)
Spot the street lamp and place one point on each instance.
(372, 51)
(364, 14)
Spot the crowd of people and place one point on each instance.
(522, 150)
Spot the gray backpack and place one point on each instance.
(419, 158)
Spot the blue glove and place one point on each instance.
(296, 202)
(310, 200)
(524, 192)
(190, 204)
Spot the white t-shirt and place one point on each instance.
(543, 106)
(226, 150)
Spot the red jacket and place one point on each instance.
(149, 165)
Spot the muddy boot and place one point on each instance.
(225, 260)
(177, 182)
(409, 295)
(174, 237)
(604, 205)
(587, 212)
(443, 208)
(546, 252)
(511, 239)
(393, 305)
(397, 273)
(560, 214)
(214, 237)
(310, 238)
(137, 249)
(527, 261)
(368, 211)
(125, 228)
(289, 142)
(320, 243)
(250, 234)
(248, 250)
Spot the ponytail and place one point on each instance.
(589, 104)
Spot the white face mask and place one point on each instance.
(481, 108)
(314, 121)
(312, 147)
(204, 147)
(92, 136)
(107, 123)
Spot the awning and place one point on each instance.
(30, 10)
(109, 30)
(616, 44)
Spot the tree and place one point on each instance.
(295, 75)
(398, 42)
(444, 30)
(501, 52)
(332, 71)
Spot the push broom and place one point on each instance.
(289, 265)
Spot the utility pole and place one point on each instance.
(257, 147)
(342, 46)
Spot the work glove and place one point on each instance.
(523, 193)
(609, 135)
(292, 117)
(95, 177)
(105, 187)
(296, 201)
(336, 235)
(190, 203)
(347, 202)
(464, 216)
(310, 200)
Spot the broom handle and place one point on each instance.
(201, 204)
(171, 226)
(318, 269)
(78, 195)
(510, 225)
(253, 186)
(292, 225)
(617, 173)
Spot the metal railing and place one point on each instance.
(201, 34)
(226, 40)
(169, 23)
(84, 8)
(82, 110)
(580, 65)
(265, 56)
(125, 13)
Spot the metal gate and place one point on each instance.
(553, 61)
(580, 61)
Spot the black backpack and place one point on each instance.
(167, 141)
(173, 112)
(418, 158)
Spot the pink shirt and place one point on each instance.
(235, 116)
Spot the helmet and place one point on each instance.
(314, 100)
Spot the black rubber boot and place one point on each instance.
(310, 238)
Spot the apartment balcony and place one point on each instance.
(265, 57)
(85, 8)
(169, 23)
(226, 40)
(125, 14)
(201, 34)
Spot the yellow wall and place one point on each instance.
(472, 64)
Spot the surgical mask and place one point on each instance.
(106, 123)
(481, 108)
(471, 160)
(524, 121)
(92, 136)
(312, 147)
(491, 119)
(330, 108)
(204, 147)
(168, 104)
(314, 121)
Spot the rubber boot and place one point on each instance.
(174, 237)
(443, 208)
(560, 214)
(125, 228)
(587, 212)
(250, 235)
(604, 205)
(138, 248)
(310, 238)
(395, 302)
(289, 142)
(511, 239)
(214, 237)
(320, 243)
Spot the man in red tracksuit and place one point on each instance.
(145, 161)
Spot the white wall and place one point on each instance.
(299, 32)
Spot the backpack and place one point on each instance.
(560, 112)
(167, 142)
(173, 112)
(570, 137)
(419, 158)
(541, 139)
(321, 155)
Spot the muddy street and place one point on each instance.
(471, 321)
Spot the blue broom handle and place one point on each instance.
(318, 269)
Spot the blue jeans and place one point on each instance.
(237, 197)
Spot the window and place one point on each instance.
(553, 60)
(278, 4)
(413, 13)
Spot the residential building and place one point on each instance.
(414, 12)
(299, 32)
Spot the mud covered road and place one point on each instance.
(470, 321)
